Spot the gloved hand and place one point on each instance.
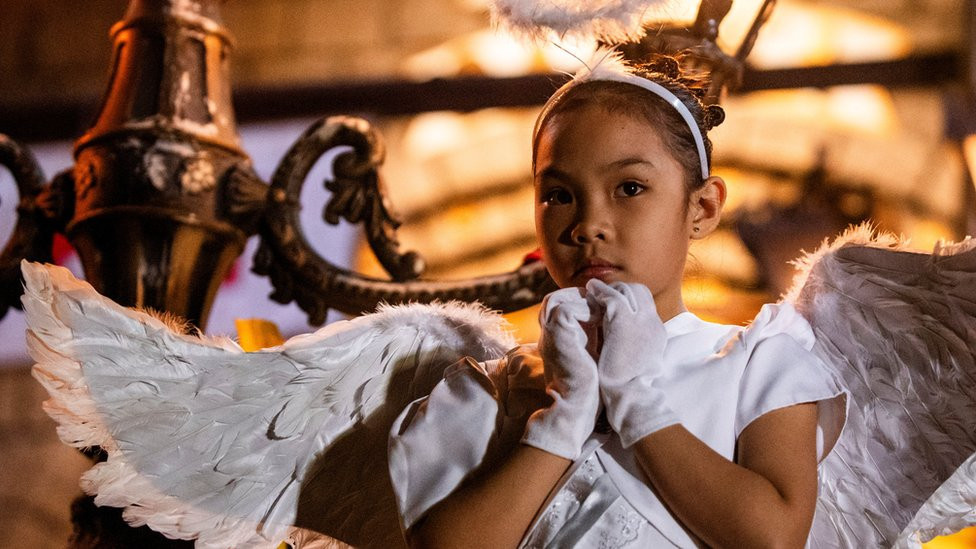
(570, 375)
(630, 359)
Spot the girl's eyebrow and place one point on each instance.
(552, 172)
(630, 161)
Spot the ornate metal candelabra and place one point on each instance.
(161, 198)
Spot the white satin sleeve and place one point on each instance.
(471, 418)
(438, 440)
(782, 371)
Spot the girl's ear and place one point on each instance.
(706, 207)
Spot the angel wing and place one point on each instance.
(899, 328)
(208, 442)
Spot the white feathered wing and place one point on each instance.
(208, 442)
(899, 328)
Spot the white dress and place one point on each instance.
(717, 378)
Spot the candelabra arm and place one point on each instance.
(300, 274)
(38, 209)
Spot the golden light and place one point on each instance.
(678, 13)
(769, 140)
(737, 23)
(868, 110)
(969, 151)
(965, 539)
(732, 30)
(799, 35)
(926, 233)
(474, 228)
(434, 133)
(487, 51)
(440, 61)
(500, 54)
(448, 155)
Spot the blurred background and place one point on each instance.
(849, 111)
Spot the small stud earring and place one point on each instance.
(696, 229)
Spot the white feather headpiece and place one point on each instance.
(612, 21)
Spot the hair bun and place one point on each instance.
(666, 65)
(714, 115)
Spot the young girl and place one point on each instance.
(658, 429)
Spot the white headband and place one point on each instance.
(611, 67)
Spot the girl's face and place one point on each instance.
(611, 204)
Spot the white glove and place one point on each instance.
(571, 377)
(631, 358)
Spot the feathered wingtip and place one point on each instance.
(40, 280)
(864, 234)
(70, 404)
(453, 321)
(612, 21)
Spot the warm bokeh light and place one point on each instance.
(681, 12)
(805, 34)
(254, 334)
(432, 134)
(499, 54)
(863, 109)
(525, 324)
(454, 156)
(487, 52)
(969, 151)
(737, 23)
(965, 539)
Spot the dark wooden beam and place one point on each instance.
(397, 97)
(69, 119)
(917, 70)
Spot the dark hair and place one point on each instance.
(620, 97)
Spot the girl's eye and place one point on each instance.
(557, 197)
(630, 188)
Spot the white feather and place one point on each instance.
(612, 21)
(208, 442)
(899, 328)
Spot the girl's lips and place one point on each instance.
(596, 268)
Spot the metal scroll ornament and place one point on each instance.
(33, 234)
(298, 273)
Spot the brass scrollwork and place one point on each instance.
(299, 274)
(33, 234)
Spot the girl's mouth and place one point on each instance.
(596, 268)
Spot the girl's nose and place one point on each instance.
(587, 231)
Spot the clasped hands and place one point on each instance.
(581, 374)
